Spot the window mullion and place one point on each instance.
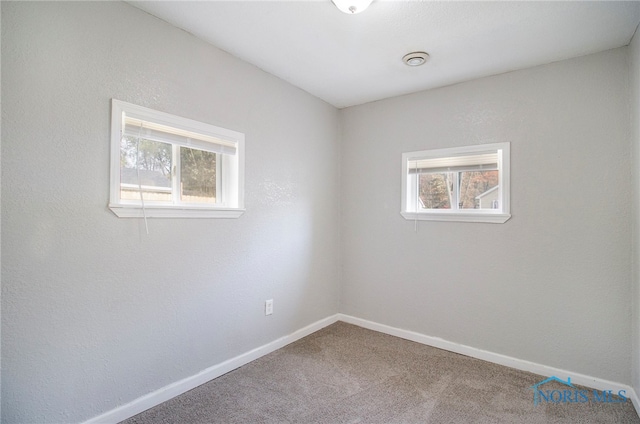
(458, 194)
(175, 175)
(219, 190)
(455, 195)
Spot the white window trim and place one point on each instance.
(234, 190)
(497, 216)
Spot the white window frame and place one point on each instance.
(410, 209)
(229, 168)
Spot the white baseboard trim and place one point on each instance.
(496, 358)
(174, 389)
(634, 399)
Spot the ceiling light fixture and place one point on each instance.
(415, 58)
(352, 6)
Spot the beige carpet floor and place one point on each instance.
(347, 374)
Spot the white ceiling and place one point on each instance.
(353, 59)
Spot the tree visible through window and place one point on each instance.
(147, 167)
(438, 190)
(197, 176)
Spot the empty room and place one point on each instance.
(320, 212)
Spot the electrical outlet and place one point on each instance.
(268, 307)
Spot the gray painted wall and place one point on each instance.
(634, 55)
(96, 313)
(551, 285)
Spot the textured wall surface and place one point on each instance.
(552, 284)
(96, 313)
(634, 81)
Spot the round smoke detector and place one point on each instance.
(415, 58)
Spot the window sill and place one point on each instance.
(129, 211)
(493, 218)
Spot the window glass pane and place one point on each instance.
(147, 164)
(197, 176)
(435, 190)
(478, 190)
